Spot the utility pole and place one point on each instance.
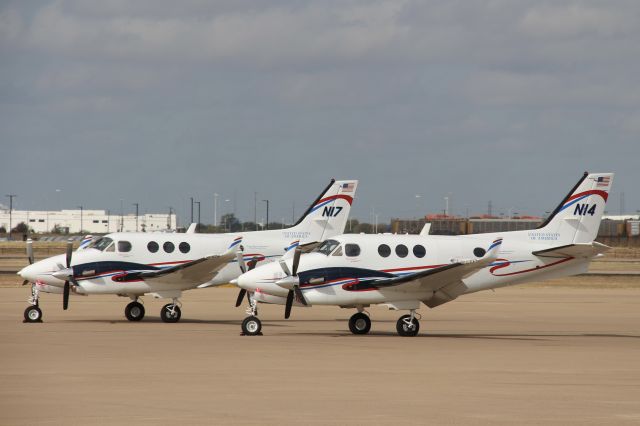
(137, 206)
(169, 218)
(191, 211)
(267, 225)
(293, 213)
(255, 210)
(121, 215)
(11, 197)
(215, 209)
(198, 203)
(81, 212)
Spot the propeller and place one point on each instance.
(67, 275)
(245, 268)
(29, 256)
(292, 282)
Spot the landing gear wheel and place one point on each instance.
(251, 326)
(167, 315)
(134, 311)
(359, 323)
(405, 328)
(32, 314)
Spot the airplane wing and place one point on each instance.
(586, 250)
(195, 272)
(445, 281)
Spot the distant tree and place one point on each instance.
(21, 228)
(230, 223)
(3, 230)
(57, 229)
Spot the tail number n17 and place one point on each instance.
(331, 211)
(584, 209)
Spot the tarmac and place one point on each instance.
(522, 355)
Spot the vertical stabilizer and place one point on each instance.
(577, 218)
(327, 216)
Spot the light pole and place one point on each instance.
(169, 218)
(137, 206)
(191, 211)
(58, 191)
(215, 209)
(255, 210)
(81, 211)
(11, 197)
(198, 203)
(267, 201)
(121, 215)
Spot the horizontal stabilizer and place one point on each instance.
(587, 250)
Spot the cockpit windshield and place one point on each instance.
(327, 247)
(101, 243)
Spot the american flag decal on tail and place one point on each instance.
(347, 187)
(603, 181)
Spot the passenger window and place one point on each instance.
(352, 250)
(112, 247)
(479, 251)
(168, 247)
(337, 252)
(124, 246)
(419, 251)
(402, 250)
(384, 250)
(184, 247)
(153, 246)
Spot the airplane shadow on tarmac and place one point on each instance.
(482, 336)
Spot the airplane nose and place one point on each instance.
(27, 273)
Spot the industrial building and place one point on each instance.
(86, 221)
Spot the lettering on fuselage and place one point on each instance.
(543, 236)
(300, 235)
(584, 209)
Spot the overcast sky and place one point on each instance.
(157, 101)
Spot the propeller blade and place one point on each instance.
(299, 295)
(69, 252)
(285, 268)
(287, 307)
(240, 258)
(65, 296)
(240, 297)
(30, 251)
(296, 261)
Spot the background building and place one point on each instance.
(87, 221)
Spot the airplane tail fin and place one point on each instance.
(577, 218)
(327, 216)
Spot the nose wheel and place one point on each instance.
(408, 325)
(32, 314)
(251, 325)
(359, 323)
(134, 311)
(171, 312)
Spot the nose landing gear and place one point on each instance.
(251, 325)
(33, 312)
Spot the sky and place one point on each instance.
(157, 101)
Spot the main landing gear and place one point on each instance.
(134, 311)
(33, 312)
(251, 325)
(407, 325)
(171, 311)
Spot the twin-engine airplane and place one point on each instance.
(165, 264)
(356, 271)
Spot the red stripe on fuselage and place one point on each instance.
(603, 194)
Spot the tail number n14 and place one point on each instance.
(584, 209)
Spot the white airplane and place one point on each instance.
(356, 271)
(166, 264)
